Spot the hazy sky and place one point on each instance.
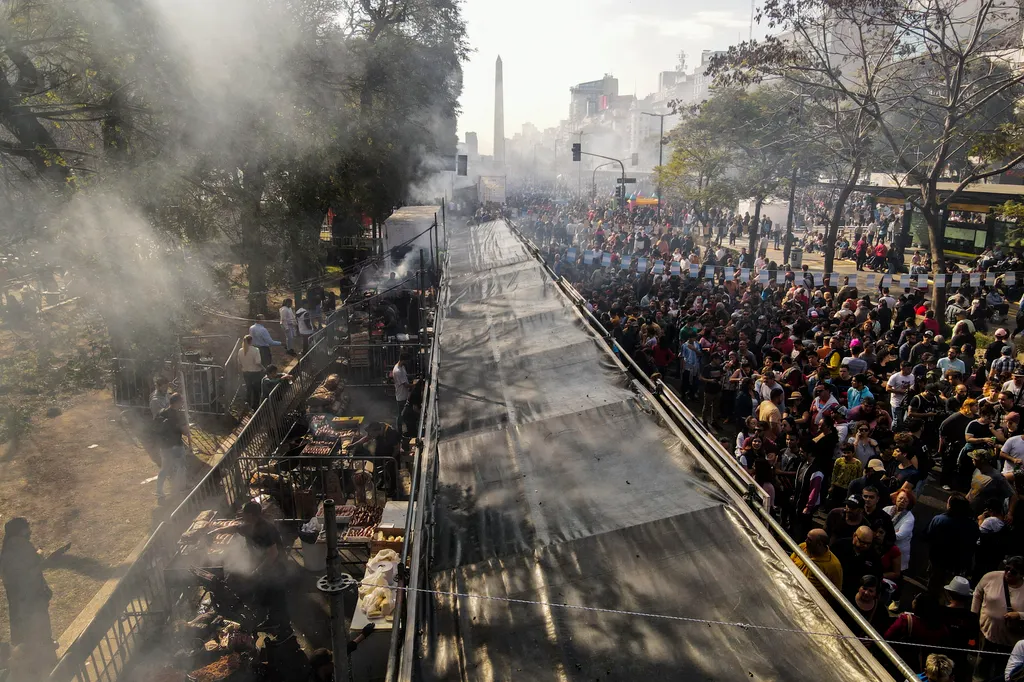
(548, 45)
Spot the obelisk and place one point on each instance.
(499, 116)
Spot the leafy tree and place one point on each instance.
(935, 80)
(696, 173)
(754, 131)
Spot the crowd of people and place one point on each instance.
(843, 405)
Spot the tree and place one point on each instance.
(754, 130)
(696, 173)
(935, 80)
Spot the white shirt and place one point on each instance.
(1014, 447)
(904, 526)
(249, 362)
(305, 324)
(1016, 661)
(889, 302)
(402, 386)
(820, 408)
(287, 317)
(1011, 387)
(899, 382)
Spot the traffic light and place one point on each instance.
(577, 151)
(463, 165)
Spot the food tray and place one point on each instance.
(365, 516)
(358, 534)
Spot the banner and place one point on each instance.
(659, 267)
(606, 258)
(694, 270)
(674, 269)
(588, 257)
(626, 262)
(709, 272)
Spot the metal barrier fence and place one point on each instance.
(204, 386)
(371, 364)
(300, 483)
(140, 603)
(412, 605)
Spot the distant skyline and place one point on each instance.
(548, 46)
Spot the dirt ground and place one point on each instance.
(97, 498)
(101, 499)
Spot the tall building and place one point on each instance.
(588, 99)
(499, 116)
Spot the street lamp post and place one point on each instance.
(593, 180)
(661, 146)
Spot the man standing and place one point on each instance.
(266, 548)
(304, 322)
(289, 324)
(952, 361)
(769, 412)
(28, 598)
(174, 426)
(711, 378)
(159, 398)
(999, 601)
(952, 538)
(858, 558)
(262, 339)
(816, 547)
(900, 384)
(400, 377)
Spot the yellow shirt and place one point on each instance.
(844, 472)
(829, 564)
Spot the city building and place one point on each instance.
(588, 99)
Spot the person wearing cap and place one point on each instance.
(1005, 365)
(926, 346)
(874, 473)
(960, 621)
(900, 385)
(999, 602)
(843, 521)
(995, 349)
(988, 485)
(1015, 384)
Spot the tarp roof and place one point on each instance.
(558, 483)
